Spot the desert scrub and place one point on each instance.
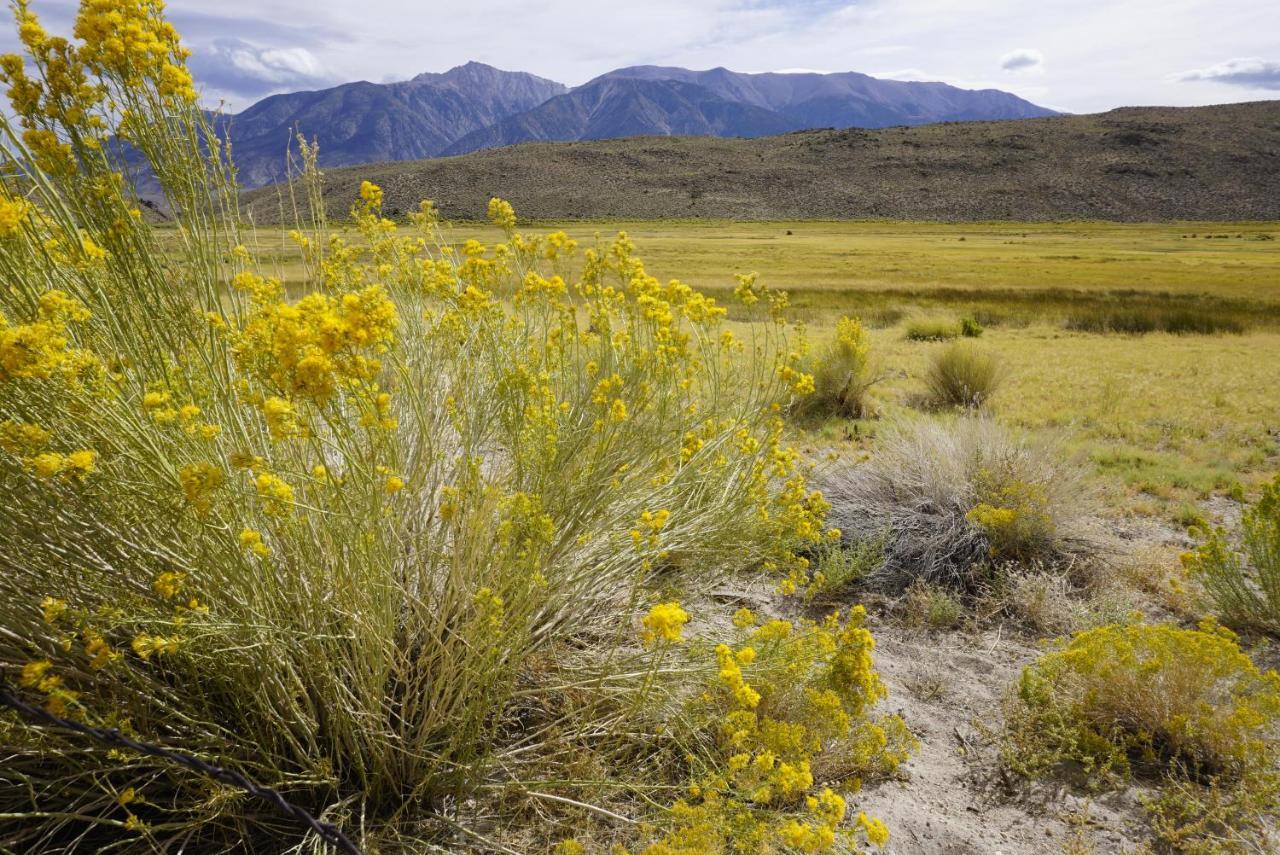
(1245, 582)
(962, 375)
(352, 539)
(932, 329)
(1186, 707)
(842, 375)
(953, 501)
(789, 713)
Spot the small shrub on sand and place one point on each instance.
(1245, 582)
(932, 329)
(843, 564)
(842, 374)
(949, 500)
(1184, 707)
(931, 607)
(962, 375)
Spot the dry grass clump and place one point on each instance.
(1244, 579)
(926, 606)
(1050, 602)
(962, 375)
(1184, 707)
(950, 500)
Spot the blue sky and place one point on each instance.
(1079, 56)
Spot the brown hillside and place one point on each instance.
(1132, 164)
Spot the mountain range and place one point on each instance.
(476, 106)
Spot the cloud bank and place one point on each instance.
(1250, 72)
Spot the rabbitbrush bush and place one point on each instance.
(1245, 584)
(380, 540)
(1185, 707)
(842, 374)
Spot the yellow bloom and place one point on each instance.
(665, 622)
(394, 484)
(34, 672)
(502, 214)
(252, 541)
(199, 482)
(282, 420)
(371, 194)
(53, 609)
(169, 584)
(276, 494)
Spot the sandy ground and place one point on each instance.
(949, 687)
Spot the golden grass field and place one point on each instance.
(1223, 261)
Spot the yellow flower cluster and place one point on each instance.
(781, 696)
(58, 699)
(501, 214)
(14, 211)
(252, 541)
(130, 41)
(147, 645)
(199, 482)
(40, 349)
(275, 493)
(75, 466)
(664, 622)
(311, 348)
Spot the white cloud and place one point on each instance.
(1249, 72)
(1023, 59)
(242, 68)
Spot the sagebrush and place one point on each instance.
(953, 501)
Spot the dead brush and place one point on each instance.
(922, 485)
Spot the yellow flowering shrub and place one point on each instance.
(1014, 515)
(842, 374)
(1244, 581)
(344, 537)
(1187, 706)
(786, 699)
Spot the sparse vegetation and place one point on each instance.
(962, 375)
(1184, 707)
(1245, 582)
